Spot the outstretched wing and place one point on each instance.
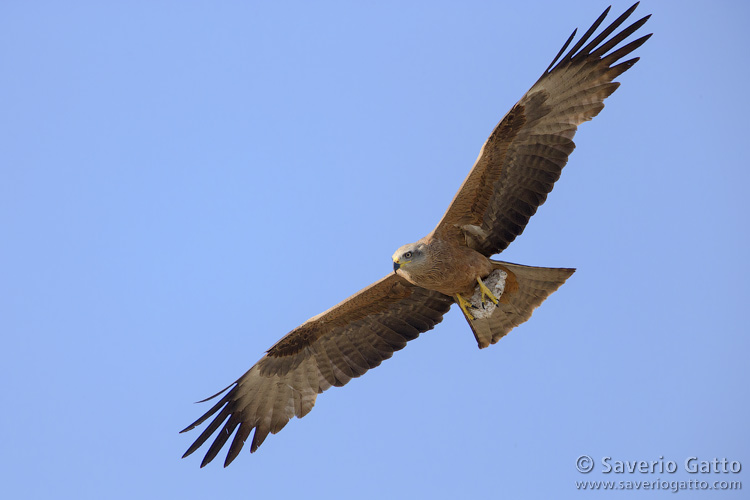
(524, 156)
(329, 349)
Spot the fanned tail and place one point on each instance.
(526, 287)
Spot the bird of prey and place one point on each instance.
(516, 169)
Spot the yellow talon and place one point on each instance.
(486, 293)
(464, 305)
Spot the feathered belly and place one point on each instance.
(453, 270)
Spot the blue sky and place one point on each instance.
(185, 182)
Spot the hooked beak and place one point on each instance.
(396, 265)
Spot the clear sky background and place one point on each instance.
(185, 182)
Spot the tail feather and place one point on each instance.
(526, 287)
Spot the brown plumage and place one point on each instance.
(516, 169)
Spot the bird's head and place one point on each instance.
(409, 257)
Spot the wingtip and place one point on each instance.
(631, 9)
(190, 451)
(217, 394)
(206, 460)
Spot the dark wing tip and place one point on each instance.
(225, 408)
(220, 392)
(598, 46)
(213, 410)
(560, 52)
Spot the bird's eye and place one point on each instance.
(407, 255)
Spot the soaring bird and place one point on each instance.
(516, 169)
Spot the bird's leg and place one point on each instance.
(464, 305)
(486, 293)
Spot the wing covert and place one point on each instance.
(524, 156)
(328, 350)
